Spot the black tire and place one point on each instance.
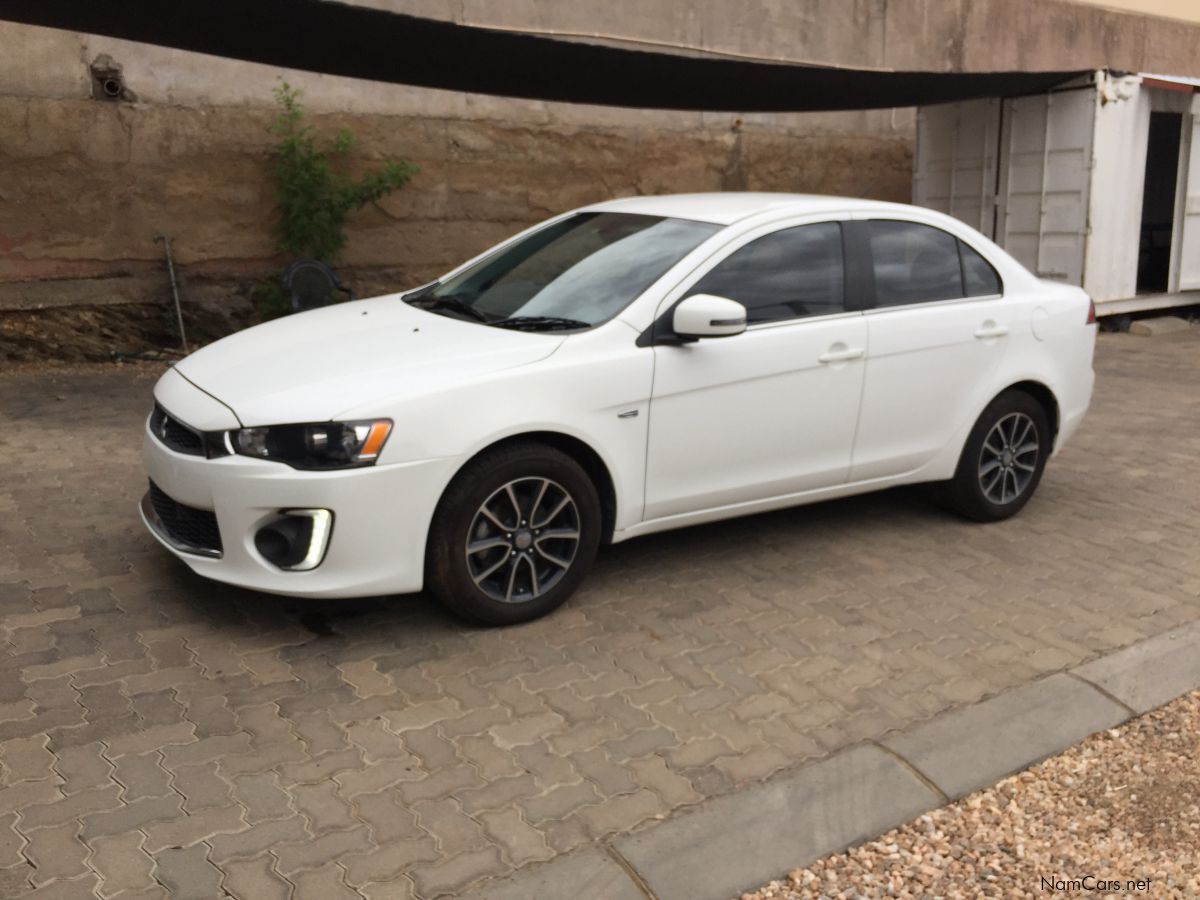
(534, 585)
(978, 495)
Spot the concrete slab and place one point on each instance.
(971, 748)
(585, 875)
(1151, 672)
(1159, 325)
(736, 842)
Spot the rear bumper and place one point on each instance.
(381, 517)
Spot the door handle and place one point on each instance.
(833, 356)
(991, 330)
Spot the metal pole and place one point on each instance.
(174, 290)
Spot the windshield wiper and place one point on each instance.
(539, 322)
(451, 303)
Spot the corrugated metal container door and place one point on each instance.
(1189, 242)
(955, 166)
(1046, 163)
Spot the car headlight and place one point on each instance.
(323, 445)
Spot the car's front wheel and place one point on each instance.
(514, 535)
(1002, 462)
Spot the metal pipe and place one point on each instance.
(174, 290)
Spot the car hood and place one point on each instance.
(316, 365)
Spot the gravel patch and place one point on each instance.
(1121, 807)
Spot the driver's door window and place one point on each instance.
(788, 274)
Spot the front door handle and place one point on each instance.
(833, 356)
(990, 329)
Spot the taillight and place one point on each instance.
(1091, 319)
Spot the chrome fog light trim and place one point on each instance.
(318, 541)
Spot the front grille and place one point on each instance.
(175, 434)
(186, 525)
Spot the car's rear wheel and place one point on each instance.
(514, 535)
(1003, 459)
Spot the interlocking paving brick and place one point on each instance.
(56, 852)
(83, 767)
(10, 843)
(130, 816)
(520, 842)
(199, 826)
(378, 776)
(442, 784)
(399, 888)
(451, 876)
(201, 785)
(256, 879)
(320, 768)
(322, 807)
(14, 880)
(121, 863)
(318, 851)
(366, 679)
(24, 794)
(549, 768)
(525, 730)
(390, 861)
(257, 839)
(692, 665)
(422, 715)
(617, 815)
(671, 787)
(187, 874)
(499, 792)
(23, 759)
(82, 888)
(206, 750)
(388, 817)
(159, 737)
(325, 883)
(58, 812)
(453, 829)
(259, 794)
(560, 801)
(375, 740)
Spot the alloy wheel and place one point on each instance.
(1009, 458)
(522, 539)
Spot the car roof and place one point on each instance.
(725, 208)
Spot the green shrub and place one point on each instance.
(315, 193)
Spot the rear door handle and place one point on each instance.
(833, 356)
(991, 330)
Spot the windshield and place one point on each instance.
(576, 272)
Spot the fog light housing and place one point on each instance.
(297, 540)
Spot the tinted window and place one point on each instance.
(979, 278)
(914, 263)
(588, 266)
(791, 273)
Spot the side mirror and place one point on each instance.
(705, 316)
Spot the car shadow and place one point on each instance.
(409, 619)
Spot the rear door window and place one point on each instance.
(979, 278)
(917, 263)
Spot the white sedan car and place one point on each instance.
(628, 367)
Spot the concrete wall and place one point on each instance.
(88, 184)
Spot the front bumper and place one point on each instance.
(381, 517)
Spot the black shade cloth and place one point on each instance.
(340, 39)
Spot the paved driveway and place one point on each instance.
(159, 733)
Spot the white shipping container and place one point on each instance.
(1061, 180)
